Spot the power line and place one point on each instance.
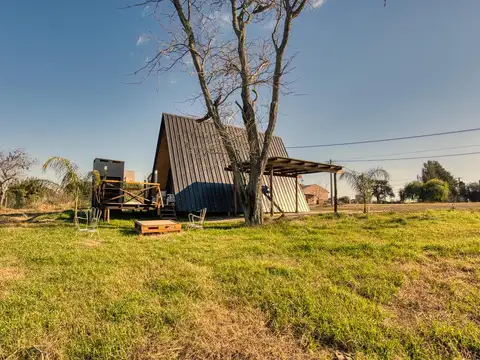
(409, 158)
(384, 140)
(414, 152)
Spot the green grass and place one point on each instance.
(382, 286)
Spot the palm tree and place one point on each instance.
(363, 182)
(71, 180)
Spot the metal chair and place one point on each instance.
(196, 221)
(90, 221)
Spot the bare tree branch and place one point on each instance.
(234, 70)
(12, 165)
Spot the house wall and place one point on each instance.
(311, 199)
(129, 175)
(162, 160)
(319, 192)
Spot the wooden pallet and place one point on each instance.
(157, 226)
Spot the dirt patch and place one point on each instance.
(9, 273)
(13, 219)
(409, 207)
(91, 243)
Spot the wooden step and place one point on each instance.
(168, 213)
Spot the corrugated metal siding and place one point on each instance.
(198, 162)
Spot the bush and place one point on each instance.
(30, 192)
(434, 190)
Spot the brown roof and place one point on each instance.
(198, 161)
(313, 189)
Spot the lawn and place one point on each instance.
(383, 286)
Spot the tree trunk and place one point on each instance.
(364, 205)
(251, 197)
(3, 192)
(252, 206)
(75, 211)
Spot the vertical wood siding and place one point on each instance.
(198, 162)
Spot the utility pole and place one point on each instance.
(331, 185)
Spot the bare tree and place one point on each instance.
(232, 70)
(12, 165)
(239, 72)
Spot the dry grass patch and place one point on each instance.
(45, 349)
(220, 332)
(8, 274)
(91, 243)
(431, 287)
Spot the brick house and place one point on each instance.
(315, 194)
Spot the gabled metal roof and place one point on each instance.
(198, 161)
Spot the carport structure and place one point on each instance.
(289, 167)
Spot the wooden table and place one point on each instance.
(157, 226)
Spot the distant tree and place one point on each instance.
(434, 190)
(413, 190)
(71, 180)
(363, 182)
(381, 190)
(472, 192)
(12, 165)
(344, 200)
(402, 195)
(432, 169)
(462, 189)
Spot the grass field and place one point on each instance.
(383, 286)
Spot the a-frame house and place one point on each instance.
(190, 162)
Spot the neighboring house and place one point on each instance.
(129, 175)
(315, 194)
(191, 161)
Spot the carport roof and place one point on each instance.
(289, 167)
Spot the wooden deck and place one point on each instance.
(126, 195)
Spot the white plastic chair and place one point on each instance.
(90, 222)
(196, 221)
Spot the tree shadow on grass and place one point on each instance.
(224, 226)
(128, 232)
(32, 225)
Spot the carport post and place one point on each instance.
(335, 201)
(271, 191)
(234, 198)
(296, 193)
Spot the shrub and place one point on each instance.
(434, 190)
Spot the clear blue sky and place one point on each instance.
(366, 72)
